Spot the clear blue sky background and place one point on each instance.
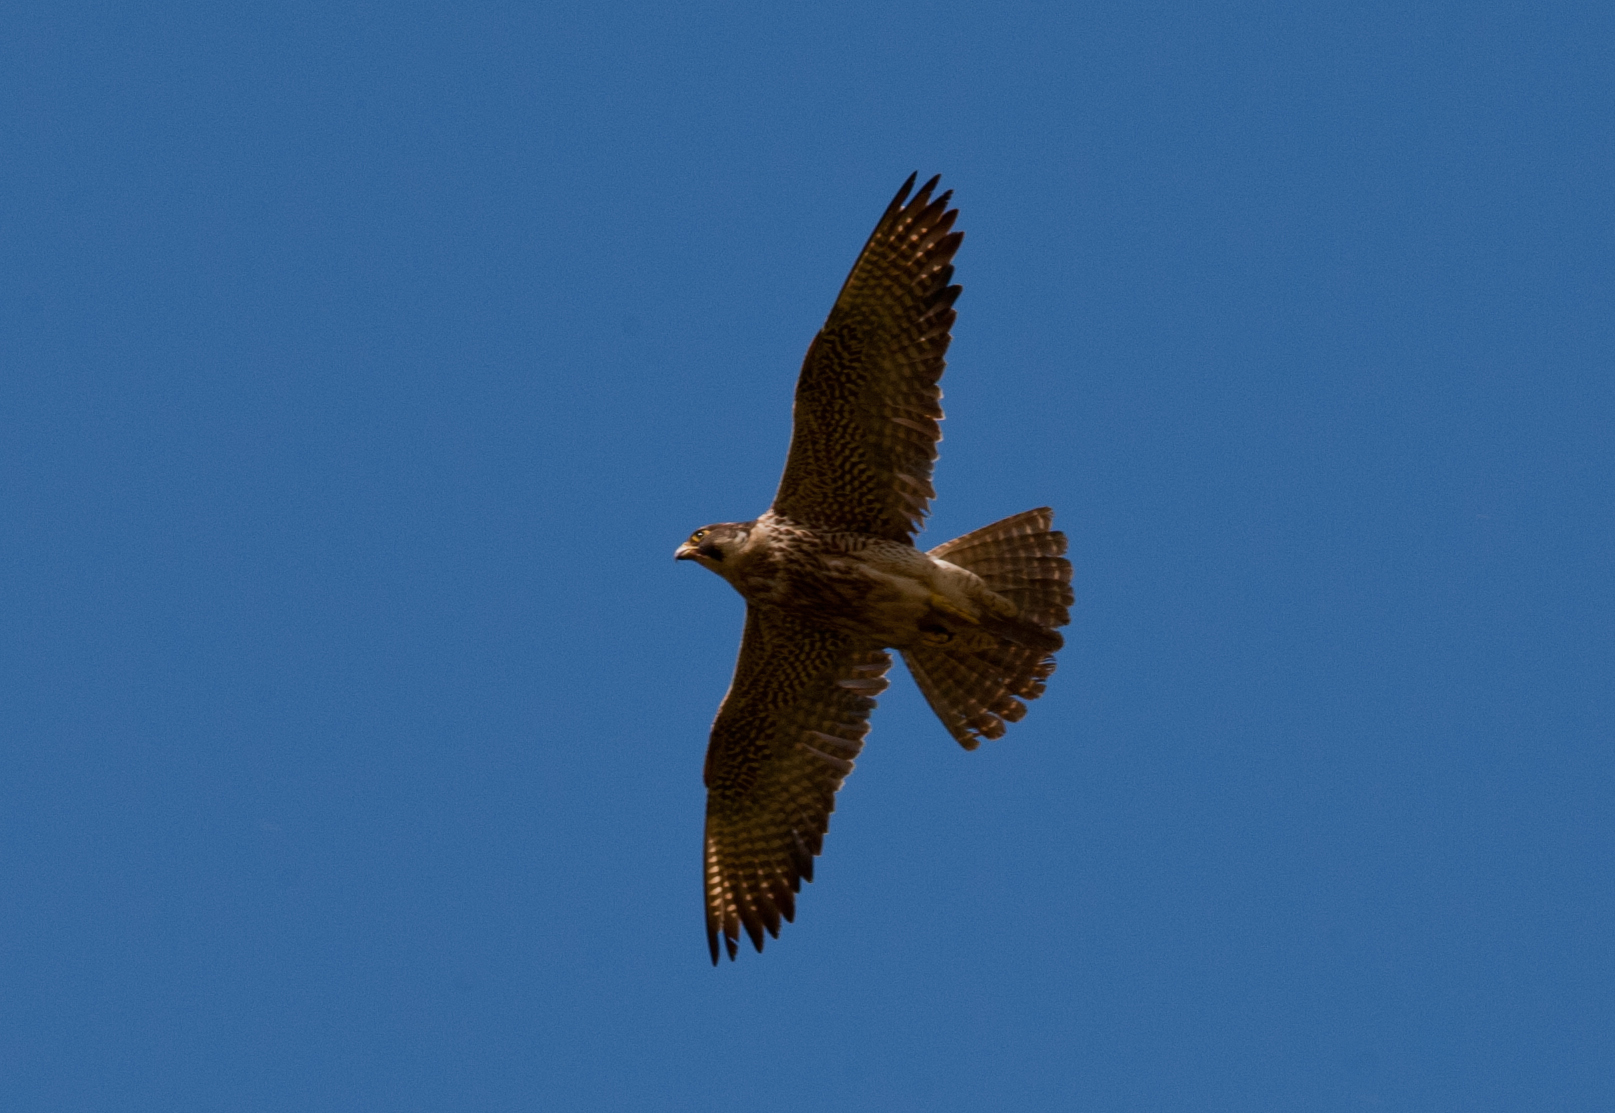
(363, 364)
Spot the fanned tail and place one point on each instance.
(976, 691)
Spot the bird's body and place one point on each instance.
(832, 580)
(885, 592)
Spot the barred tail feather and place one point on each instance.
(1022, 559)
(976, 691)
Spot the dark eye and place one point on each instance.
(698, 534)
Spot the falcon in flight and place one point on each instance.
(832, 580)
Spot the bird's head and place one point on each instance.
(712, 546)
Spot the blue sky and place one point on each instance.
(361, 365)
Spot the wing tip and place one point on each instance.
(910, 198)
(902, 194)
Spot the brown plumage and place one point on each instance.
(1022, 559)
(832, 579)
(864, 428)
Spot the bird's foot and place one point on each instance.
(972, 641)
(943, 605)
(977, 640)
(1000, 606)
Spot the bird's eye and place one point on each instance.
(698, 534)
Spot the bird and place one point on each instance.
(833, 580)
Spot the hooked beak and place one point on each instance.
(685, 551)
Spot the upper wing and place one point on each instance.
(795, 717)
(864, 427)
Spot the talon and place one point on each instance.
(981, 639)
(942, 604)
(1000, 606)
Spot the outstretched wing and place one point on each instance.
(795, 717)
(864, 427)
